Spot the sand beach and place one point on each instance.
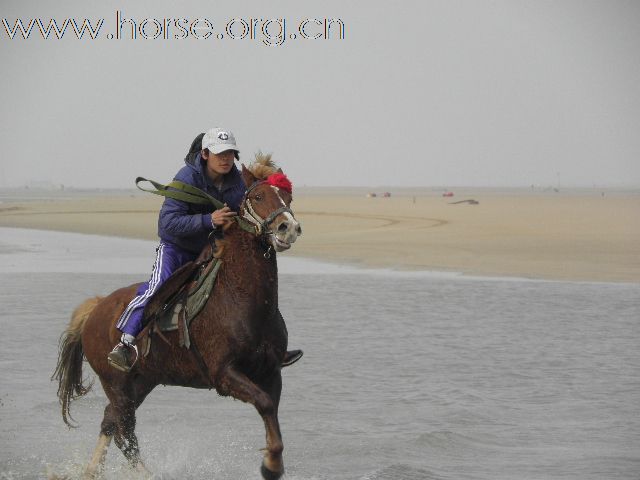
(582, 235)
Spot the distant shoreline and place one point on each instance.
(566, 236)
(25, 191)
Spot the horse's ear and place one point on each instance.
(247, 176)
(279, 171)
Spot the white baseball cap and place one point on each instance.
(218, 140)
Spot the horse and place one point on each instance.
(238, 340)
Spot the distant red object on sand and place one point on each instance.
(447, 194)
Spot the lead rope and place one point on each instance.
(190, 194)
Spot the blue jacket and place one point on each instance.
(187, 225)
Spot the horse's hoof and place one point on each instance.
(268, 474)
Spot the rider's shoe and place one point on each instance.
(123, 356)
(291, 357)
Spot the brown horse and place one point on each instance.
(240, 335)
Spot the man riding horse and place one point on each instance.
(184, 230)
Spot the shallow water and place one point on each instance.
(405, 376)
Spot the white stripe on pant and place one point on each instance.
(140, 299)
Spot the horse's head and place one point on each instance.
(267, 203)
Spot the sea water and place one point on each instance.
(405, 375)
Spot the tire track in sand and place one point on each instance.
(412, 223)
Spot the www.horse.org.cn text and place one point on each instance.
(268, 31)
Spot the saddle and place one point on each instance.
(178, 301)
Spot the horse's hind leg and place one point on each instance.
(107, 430)
(97, 459)
(119, 424)
(126, 438)
(238, 385)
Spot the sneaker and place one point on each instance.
(123, 356)
(291, 357)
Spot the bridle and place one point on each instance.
(262, 224)
(250, 221)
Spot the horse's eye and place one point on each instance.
(258, 198)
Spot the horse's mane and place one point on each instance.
(263, 166)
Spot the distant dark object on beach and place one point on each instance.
(447, 194)
(386, 194)
(372, 195)
(471, 201)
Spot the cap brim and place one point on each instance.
(222, 148)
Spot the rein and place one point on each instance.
(190, 194)
(250, 222)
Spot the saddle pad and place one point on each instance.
(191, 300)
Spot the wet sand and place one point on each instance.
(576, 236)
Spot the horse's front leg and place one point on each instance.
(272, 385)
(238, 385)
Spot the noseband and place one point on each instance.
(262, 225)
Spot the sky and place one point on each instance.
(417, 93)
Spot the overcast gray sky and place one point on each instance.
(494, 93)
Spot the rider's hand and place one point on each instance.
(222, 216)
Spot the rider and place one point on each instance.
(184, 228)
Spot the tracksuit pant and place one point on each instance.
(168, 259)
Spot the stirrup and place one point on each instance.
(122, 368)
(135, 349)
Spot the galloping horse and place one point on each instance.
(240, 335)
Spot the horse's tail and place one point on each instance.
(68, 371)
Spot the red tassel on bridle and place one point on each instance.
(280, 181)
